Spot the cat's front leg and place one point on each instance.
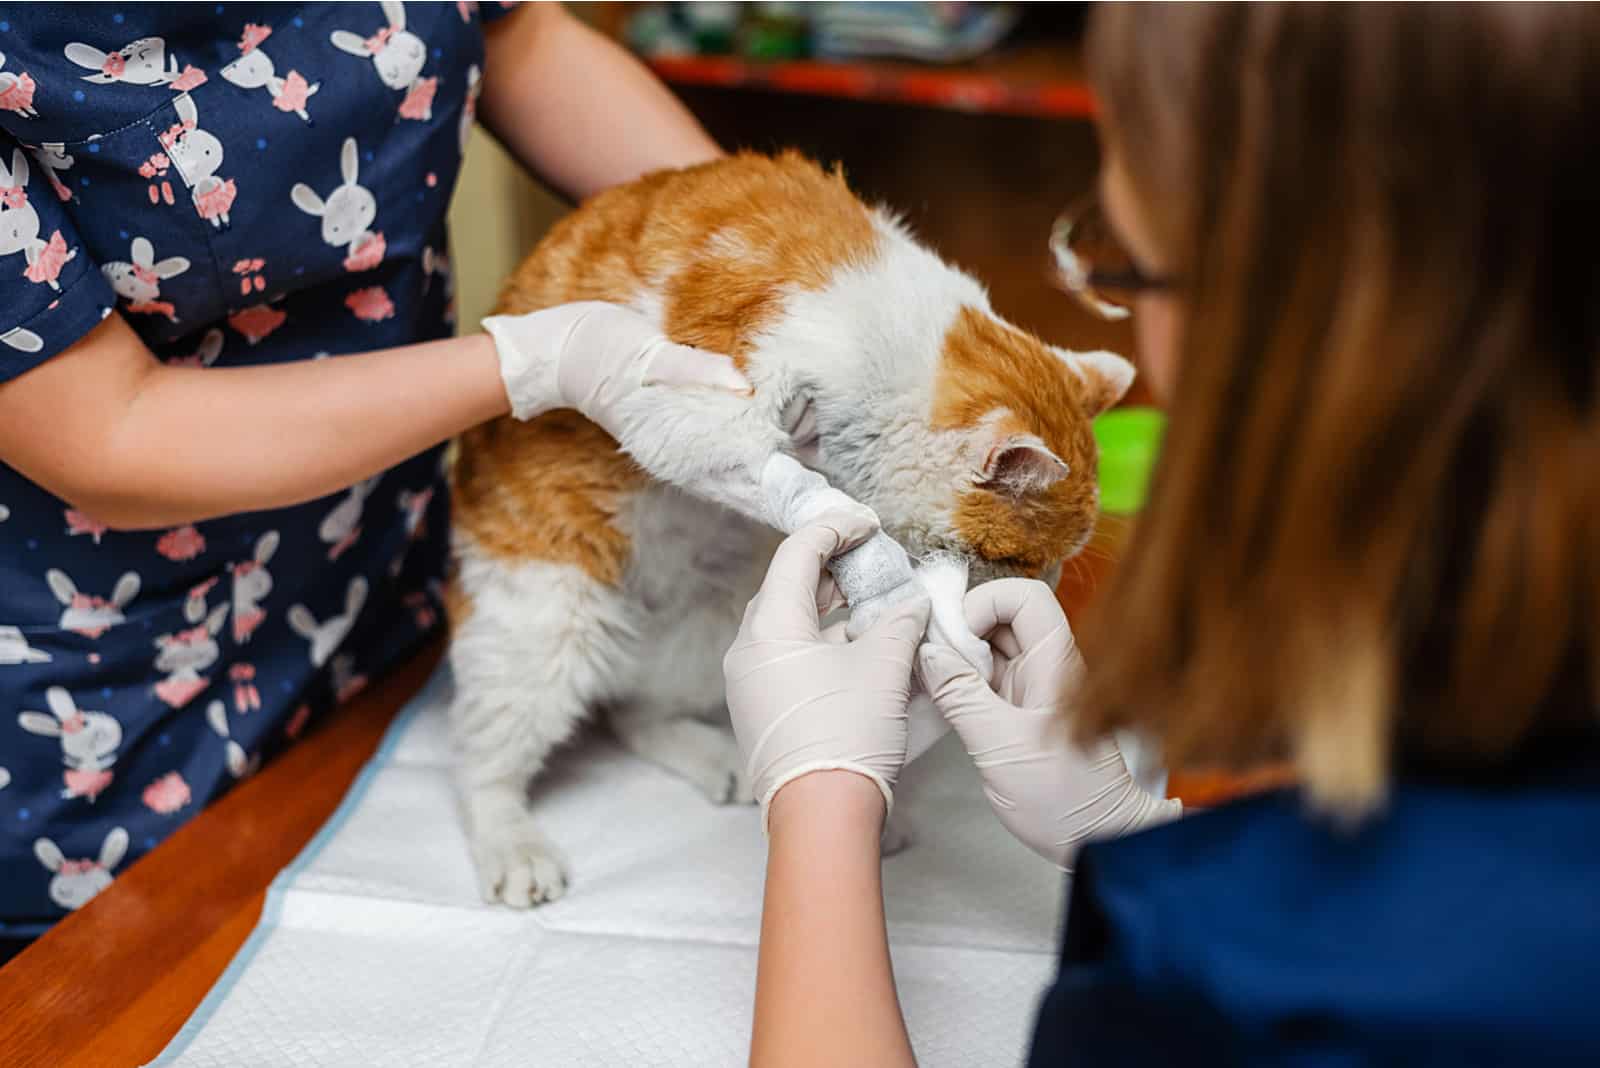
(534, 646)
(679, 740)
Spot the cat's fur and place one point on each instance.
(582, 584)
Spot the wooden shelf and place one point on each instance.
(1039, 79)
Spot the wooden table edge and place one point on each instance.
(114, 982)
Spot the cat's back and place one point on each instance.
(708, 251)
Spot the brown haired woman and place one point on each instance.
(1359, 246)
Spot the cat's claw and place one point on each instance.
(518, 869)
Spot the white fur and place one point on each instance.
(544, 644)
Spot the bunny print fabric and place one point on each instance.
(244, 184)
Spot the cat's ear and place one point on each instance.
(1022, 464)
(1105, 375)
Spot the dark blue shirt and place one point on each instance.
(1461, 926)
(245, 184)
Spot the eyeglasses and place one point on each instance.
(1094, 266)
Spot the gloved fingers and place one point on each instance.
(829, 599)
(899, 630)
(954, 685)
(669, 364)
(1004, 642)
(1027, 606)
(1047, 672)
(786, 606)
(835, 634)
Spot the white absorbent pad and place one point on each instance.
(375, 949)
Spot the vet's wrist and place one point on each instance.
(840, 800)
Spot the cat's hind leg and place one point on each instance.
(683, 742)
(676, 716)
(534, 647)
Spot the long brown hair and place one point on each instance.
(1373, 531)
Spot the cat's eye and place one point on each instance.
(1094, 265)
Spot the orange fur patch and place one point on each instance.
(988, 365)
(457, 604)
(548, 489)
(721, 245)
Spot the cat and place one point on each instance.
(580, 584)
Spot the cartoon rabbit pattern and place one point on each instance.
(398, 56)
(149, 670)
(89, 742)
(254, 69)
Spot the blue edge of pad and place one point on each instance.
(273, 908)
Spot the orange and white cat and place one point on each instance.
(581, 584)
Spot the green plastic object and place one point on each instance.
(1129, 440)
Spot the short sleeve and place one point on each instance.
(494, 11)
(51, 292)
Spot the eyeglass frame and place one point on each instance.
(1085, 284)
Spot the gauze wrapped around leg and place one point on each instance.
(878, 574)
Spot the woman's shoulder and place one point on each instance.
(1260, 915)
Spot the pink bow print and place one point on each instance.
(380, 40)
(82, 602)
(174, 132)
(14, 196)
(114, 65)
(147, 275)
(77, 867)
(88, 784)
(192, 636)
(254, 34)
(74, 723)
(245, 568)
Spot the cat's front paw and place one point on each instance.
(517, 866)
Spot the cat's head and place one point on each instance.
(1024, 491)
(978, 442)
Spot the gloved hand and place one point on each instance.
(1048, 792)
(590, 355)
(682, 413)
(802, 701)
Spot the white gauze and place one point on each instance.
(878, 573)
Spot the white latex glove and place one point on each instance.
(683, 413)
(802, 701)
(591, 354)
(1048, 792)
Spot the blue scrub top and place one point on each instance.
(244, 184)
(1460, 927)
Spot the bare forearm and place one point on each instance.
(825, 987)
(579, 110)
(159, 445)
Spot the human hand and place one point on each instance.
(802, 701)
(590, 354)
(683, 413)
(1049, 793)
